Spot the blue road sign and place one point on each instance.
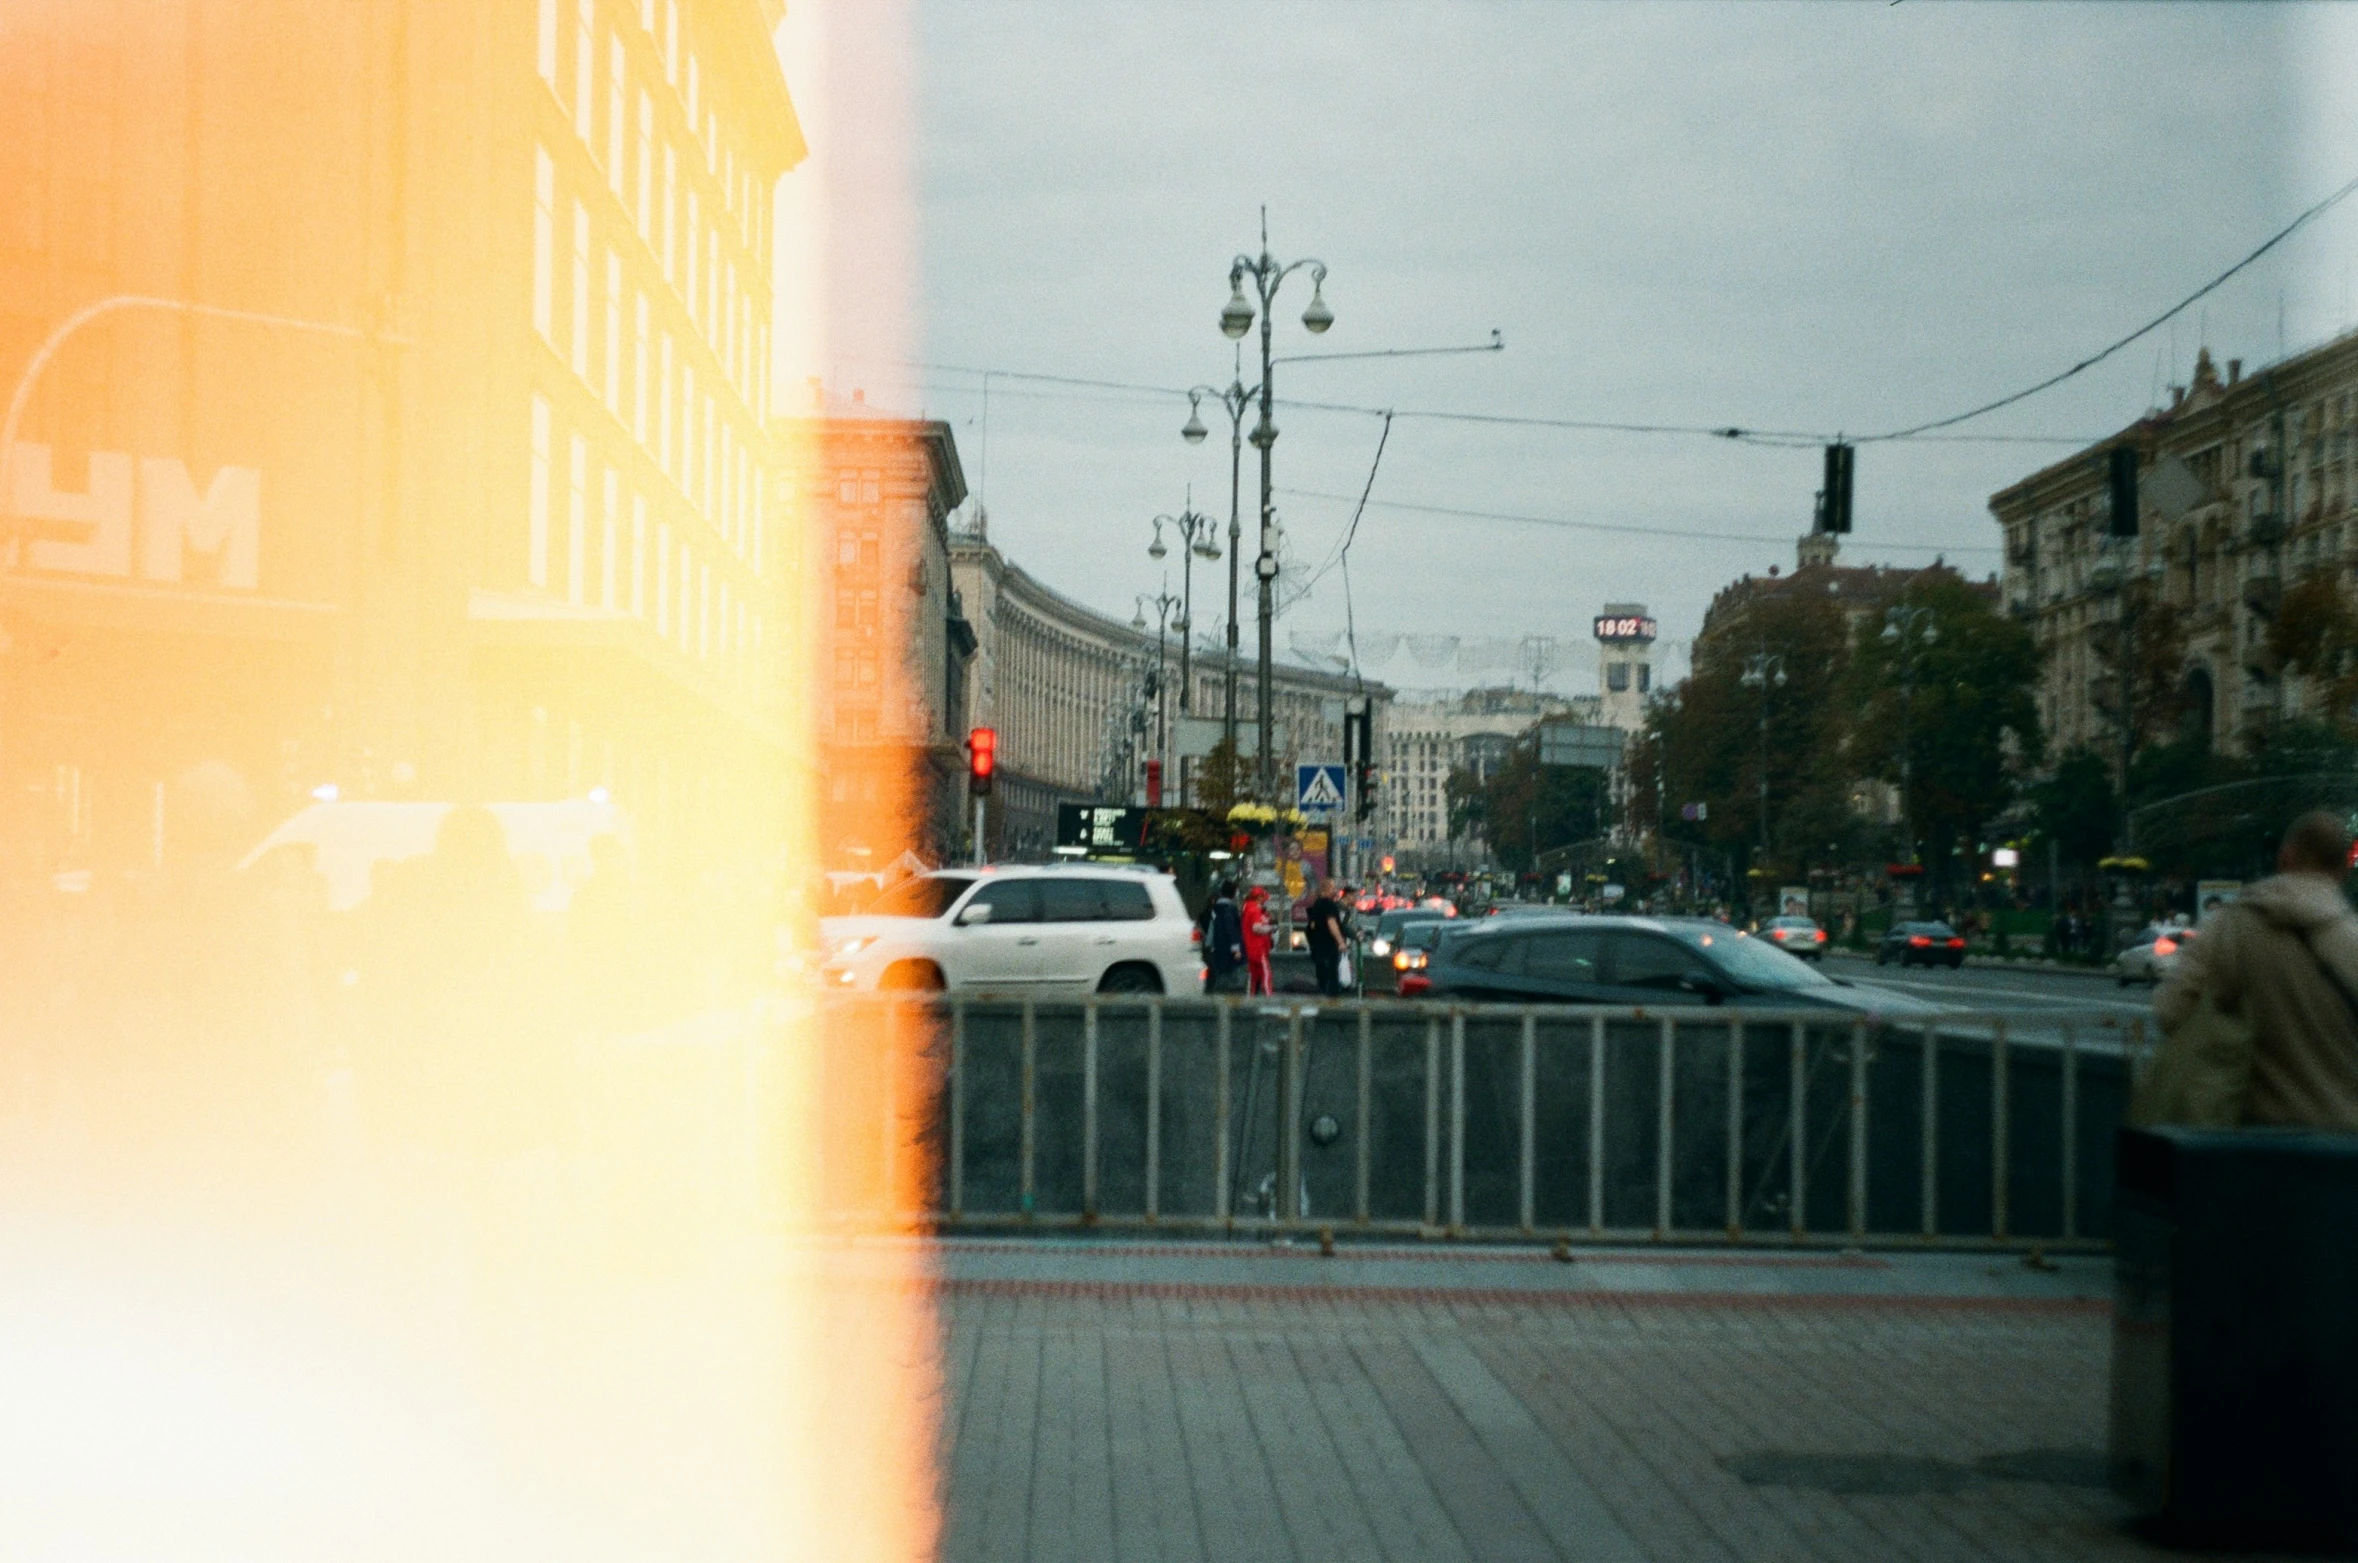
(1318, 789)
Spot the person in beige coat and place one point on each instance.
(2286, 954)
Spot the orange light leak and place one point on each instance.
(420, 1134)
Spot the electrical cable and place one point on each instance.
(2282, 234)
(1613, 526)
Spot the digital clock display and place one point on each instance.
(1625, 627)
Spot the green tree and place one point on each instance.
(2076, 807)
(1525, 808)
(1704, 738)
(1963, 707)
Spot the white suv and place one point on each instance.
(1021, 932)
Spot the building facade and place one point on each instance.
(1073, 694)
(392, 419)
(1428, 739)
(2244, 489)
(875, 496)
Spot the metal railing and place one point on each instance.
(1508, 1122)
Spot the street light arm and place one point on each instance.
(66, 328)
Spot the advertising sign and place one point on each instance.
(1793, 901)
(1099, 828)
(2212, 894)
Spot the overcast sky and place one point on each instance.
(1814, 217)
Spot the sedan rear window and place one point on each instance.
(929, 895)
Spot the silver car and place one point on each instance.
(2152, 955)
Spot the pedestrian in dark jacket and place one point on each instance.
(1224, 954)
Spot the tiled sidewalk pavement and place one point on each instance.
(1227, 1402)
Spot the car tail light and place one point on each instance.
(1956, 944)
(1413, 986)
(2165, 946)
(1195, 936)
(1917, 941)
(1819, 936)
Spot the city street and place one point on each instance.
(2035, 1000)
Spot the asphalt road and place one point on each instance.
(2034, 1000)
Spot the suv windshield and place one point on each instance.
(1753, 963)
(927, 896)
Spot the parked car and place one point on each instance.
(1388, 925)
(1796, 936)
(2152, 955)
(1021, 932)
(1628, 960)
(1921, 944)
(1409, 952)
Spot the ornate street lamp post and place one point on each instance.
(1268, 274)
(1235, 399)
(1163, 602)
(1200, 538)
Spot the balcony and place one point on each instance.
(2262, 595)
(2264, 531)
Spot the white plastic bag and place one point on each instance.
(1343, 969)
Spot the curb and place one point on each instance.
(1993, 963)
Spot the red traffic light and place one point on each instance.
(982, 759)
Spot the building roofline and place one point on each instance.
(935, 435)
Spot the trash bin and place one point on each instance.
(2235, 1334)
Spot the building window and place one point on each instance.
(1617, 676)
(663, 579)
(638, 371)
(536, 564)
(614, 332)
(671, 175)
(646, 192)
(581, 290)
(1645, 677)
(610, 543)
(544, 241)
(585, 68)
(617, 122)
(577, 522)
(638, 555)
(548, 43)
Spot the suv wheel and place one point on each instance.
(1131, 979)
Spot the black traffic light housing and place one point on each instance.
(1834, 503)
(2120, 473)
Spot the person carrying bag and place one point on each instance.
(2260, 1020)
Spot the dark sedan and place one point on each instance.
(1921, 944)
(1649, 961)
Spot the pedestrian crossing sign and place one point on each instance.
(1318, 789)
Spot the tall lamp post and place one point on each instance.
(1163, 602)
(1268, 274)
(1764, 672)
(1908, 631)
(1199, 535)
(1235, 399)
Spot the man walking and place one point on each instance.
(1223, 941)
(2285, 954)
(1326, 939)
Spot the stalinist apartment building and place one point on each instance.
(395, 389)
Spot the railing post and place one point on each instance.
(1663, 1128)
(1289, 1128)
(1432, 1122)
(1999, 1113)
(1527, 1149)
(1797, 1158)
(1858, 1131)
(1154, 1110)
(1929, 1191)
(1220, 1112)
(1457, 1122)
(2071, 1130)
(1089, 1112)
(1360, 1126)
(1031, 1079)
(957, 1109)
(1735, 1128)
(1596, 1125)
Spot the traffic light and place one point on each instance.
(1834, 503)
(2120, 471)
(982, 760)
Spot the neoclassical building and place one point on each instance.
(2244, 488)
(1071, 692)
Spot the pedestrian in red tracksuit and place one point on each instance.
(1259, 936)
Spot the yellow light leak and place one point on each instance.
(419, 1136)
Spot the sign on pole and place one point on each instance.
(1318, 789)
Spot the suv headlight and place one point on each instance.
(1381, 947)
(852, 946)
